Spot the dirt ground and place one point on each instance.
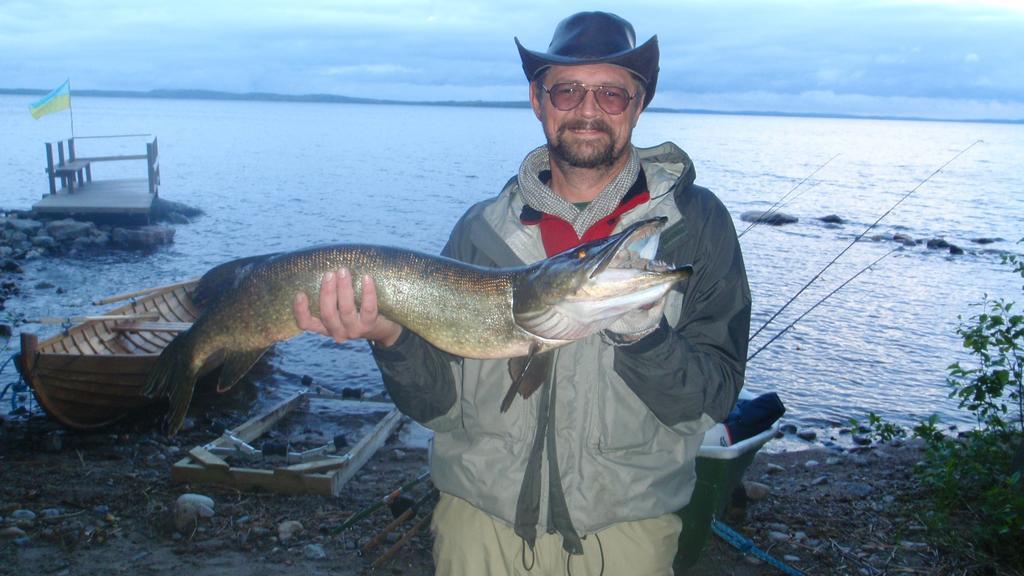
(102, 504)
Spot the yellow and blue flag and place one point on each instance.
(58, 99)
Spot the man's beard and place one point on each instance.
(584, 155)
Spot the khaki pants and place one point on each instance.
(469, 542)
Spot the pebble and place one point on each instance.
(189, 509)
(819, 481)
(776, 536)
(397, 455)
(22, 517)
(314, 552)
(808, 435)
(288, 529)
(861, 440)
(774, 469)
(788, 428)
(50, 513)
(11, 533)
(811, 464)
(832, 461)
(790, 558)
(756, 490)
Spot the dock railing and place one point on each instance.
(74, 171)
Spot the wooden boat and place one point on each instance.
(92, 373)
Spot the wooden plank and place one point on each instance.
(207, 459)
(365, 449)
(256, 427)
(322, 465)
(185, 471)
(153, 327)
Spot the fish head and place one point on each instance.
(586, 289)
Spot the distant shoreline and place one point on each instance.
(188, 94)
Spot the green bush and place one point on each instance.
(975, 481)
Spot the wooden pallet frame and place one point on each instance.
(325, 476)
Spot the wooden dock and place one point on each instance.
(74, 192)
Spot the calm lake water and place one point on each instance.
(281, 176)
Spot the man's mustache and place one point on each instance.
(577, 124)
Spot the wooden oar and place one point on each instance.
(98, 318)
(128, 295)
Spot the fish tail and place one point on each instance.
(174, 376)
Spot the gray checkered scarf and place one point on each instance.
(540, 196)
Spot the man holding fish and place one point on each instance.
(583, 472)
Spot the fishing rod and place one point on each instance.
(858, 237)
(819, 302)
(782, 201)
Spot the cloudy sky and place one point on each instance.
(932, 58)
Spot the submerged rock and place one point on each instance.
(767, 217)
(832, 219)
(144, 238)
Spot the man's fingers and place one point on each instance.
(368, 304)
(303, 318)
(330, 315)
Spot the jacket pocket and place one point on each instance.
(623, 421)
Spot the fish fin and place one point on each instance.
(236, 364)
(528, 373)
(172, 376)
(220, 278)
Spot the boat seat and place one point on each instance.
(152, 326)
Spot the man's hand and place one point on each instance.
(339, 318)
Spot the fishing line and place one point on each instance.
(816, 304)
(782, 201)
(859, 236)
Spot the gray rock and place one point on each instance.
(937, 244)
(8, 265)
(756, 491)
(861, 440)
(832, 219)
(955, 250)
(854, 489)
(11, 532)
(819, 481)
(776, 536)
(24, 225)
(189, 509)
(45, 242)
(144, 238)
(811, 464)
(22, 516)
(774, 469)
(985, 240)
(904, 239)
(288, 529)
(767, 217)
(67, 230)
(788, 428)
(808, 435)
(314, 552)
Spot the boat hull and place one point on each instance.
(92, 374)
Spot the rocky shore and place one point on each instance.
(75, 504)
(25, 236)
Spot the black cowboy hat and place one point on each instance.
(596, 38)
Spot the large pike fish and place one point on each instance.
(465, 310)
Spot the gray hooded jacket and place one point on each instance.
(613, 435)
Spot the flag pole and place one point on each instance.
(71, 110)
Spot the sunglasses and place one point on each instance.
(567, 96)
